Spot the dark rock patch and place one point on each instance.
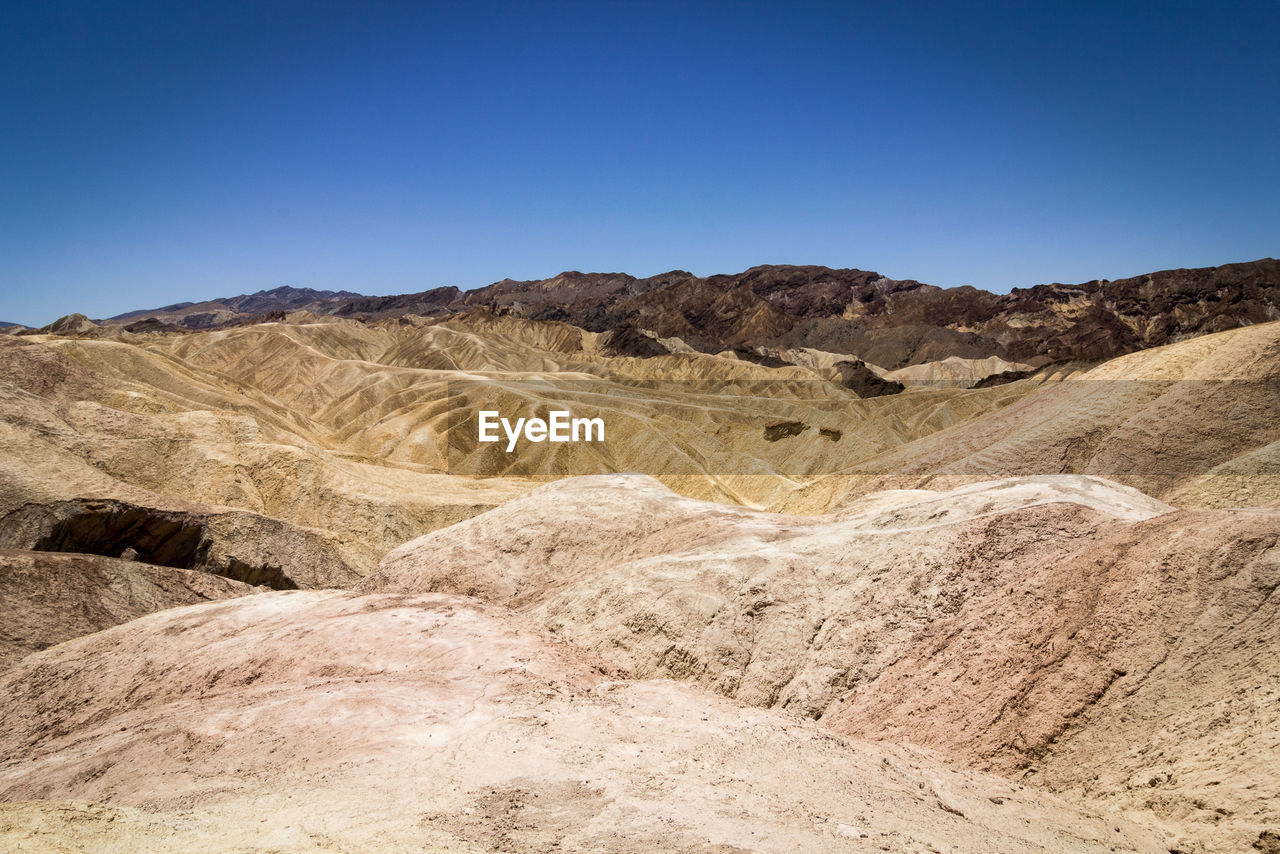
(784, 430)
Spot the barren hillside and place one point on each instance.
(857, 565)
(1063, 630)
(325, 721)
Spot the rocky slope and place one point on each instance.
(1064, 630)
(325, 721)
(115, 422)
(1195, 423)
(49, 598)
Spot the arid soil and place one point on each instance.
(326, 721)
(862, 565)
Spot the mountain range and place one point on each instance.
(887, 322)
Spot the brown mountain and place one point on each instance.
(885, 322)
(894, 323)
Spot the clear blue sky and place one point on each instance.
(151, 153)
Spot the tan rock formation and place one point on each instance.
(1062, 629)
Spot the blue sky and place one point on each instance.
(152, 153)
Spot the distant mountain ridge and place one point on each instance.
(210, 312)
(887, 322)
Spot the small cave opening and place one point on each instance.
(116, 529)
(261, 576)
(111, 530)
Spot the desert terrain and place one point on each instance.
(860, 565)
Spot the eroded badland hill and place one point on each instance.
(859, 565)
